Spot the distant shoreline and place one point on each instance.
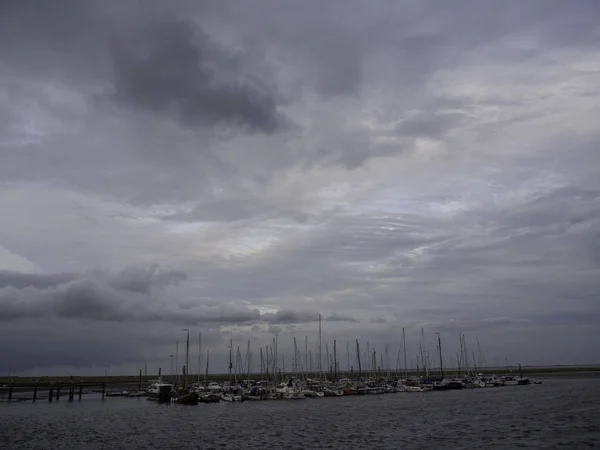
(541, 372)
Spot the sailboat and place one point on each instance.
(445, 384)
(186, 397)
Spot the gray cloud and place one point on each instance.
(133, 295)
(174, 68)
(336, 317)
(428, 124)
(19, 280)
(390, 165)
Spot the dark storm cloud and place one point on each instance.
(287, 316)
(133, 279)
(175, 69)
(19, 280)
(96, 295)
(133, 295)
(154, 60)
(142, 280)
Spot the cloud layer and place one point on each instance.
(239, 168)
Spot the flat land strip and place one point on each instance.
(541, 372)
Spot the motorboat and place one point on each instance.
(161, 392)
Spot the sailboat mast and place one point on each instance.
(267, 362)
(358, 358)
(277, 355)
(374, 363)
(464, 344)
(348, 356)
(320, 367)
(238, 365)
(187, 358)
(177, 362)
(387, 360)
(248, 362)
(423, 361)
(199, 355)
(305, 356)
(441, 361)
(404, 351)
(262, 366)
(230, 360)
(206, 370)
(334, 361)
(295, 360)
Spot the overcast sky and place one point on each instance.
(237, 167)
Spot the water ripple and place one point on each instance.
(558, 414)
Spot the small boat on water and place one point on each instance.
(160, 392)
(293, 395)
(214, 387)
(331, 392)
(231, 398)
(509, 380)
(188, 398)
(311, 393)
(447, 385)
(135, 393)
(209, 398)
(414, 389)
(371, 390)
(117, 394)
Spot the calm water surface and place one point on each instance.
(557, 414)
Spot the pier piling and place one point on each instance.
(58, 392)
(80, 391)
(35, 391)
(50, 394)
(10, 391)
(71, 392)
(103, 389)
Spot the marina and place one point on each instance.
(250, 390)
(561, 411)
(373, 376)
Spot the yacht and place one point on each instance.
(161, 392)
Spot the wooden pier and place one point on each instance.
(55, 390)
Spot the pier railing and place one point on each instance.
(54, 390)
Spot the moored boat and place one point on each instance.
(189, 398)
(160, 392)
(209, 398)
